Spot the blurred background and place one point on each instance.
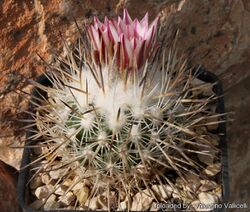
(213, 33)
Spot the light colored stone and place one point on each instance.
(214, 139)
(41, 150)
(67, 199)
(67, 182)
(193, 182)
(124, 205)
(163, 192)
(51, 198)
(212, 123)
(92, 203)
(190, 177)
(213, 169)
(61, 189)
(56, 174)
(106, 199)
(78, 186)
(196, 204)
(45, 178)
(176, 193)
(211, 138)
(207, 185)
(70, 208)
(218, 192)
(36, 182)
(122, 195)
(85, 208)
(36, 204)
(51, 203)
(192, 187)
(57, 171)
(82, 194)
(154, 207)
(207, 159)
(187, 197)
(179, 182)
(42, 192)
(142, 201)
(208, 200)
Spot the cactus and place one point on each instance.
(122, 112)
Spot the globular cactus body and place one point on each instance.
(120, 111)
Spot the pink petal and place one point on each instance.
(106, 20)
(132, 40)
(149, 35)
(106, 40)
(97, 22)
(130, 31)
(154, 23)
(122, 29)
(126, 17)
(128, 47)
(139, 30)
(114, 22)
(95, 37)
(125, 51)
(144, 21)
(114, 33)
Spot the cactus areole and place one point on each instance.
(123, 114)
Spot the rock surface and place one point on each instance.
(8, 178)
(238, 100)
(213, 33)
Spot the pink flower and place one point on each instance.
(130, 41)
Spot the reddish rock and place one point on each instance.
(8, 180)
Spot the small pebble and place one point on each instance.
(142, 201)
(212, 123)
(196, 204)
(61, 189)
(124, 205)
(207, 159)
(51, 203)
(106, 197)
(208, 199)
(179, 182)
(163, 192)
(176, 193)
(67, 199)
(36, 182)
(78, 186)
(67, 182)
(218, 192)
(213, 169)
(154, 207)
(192, 187)
(82, 194)
(42, 192)
(56, 174)
(92, 203)
(37, 204)
(207, 185)
(45, 178)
